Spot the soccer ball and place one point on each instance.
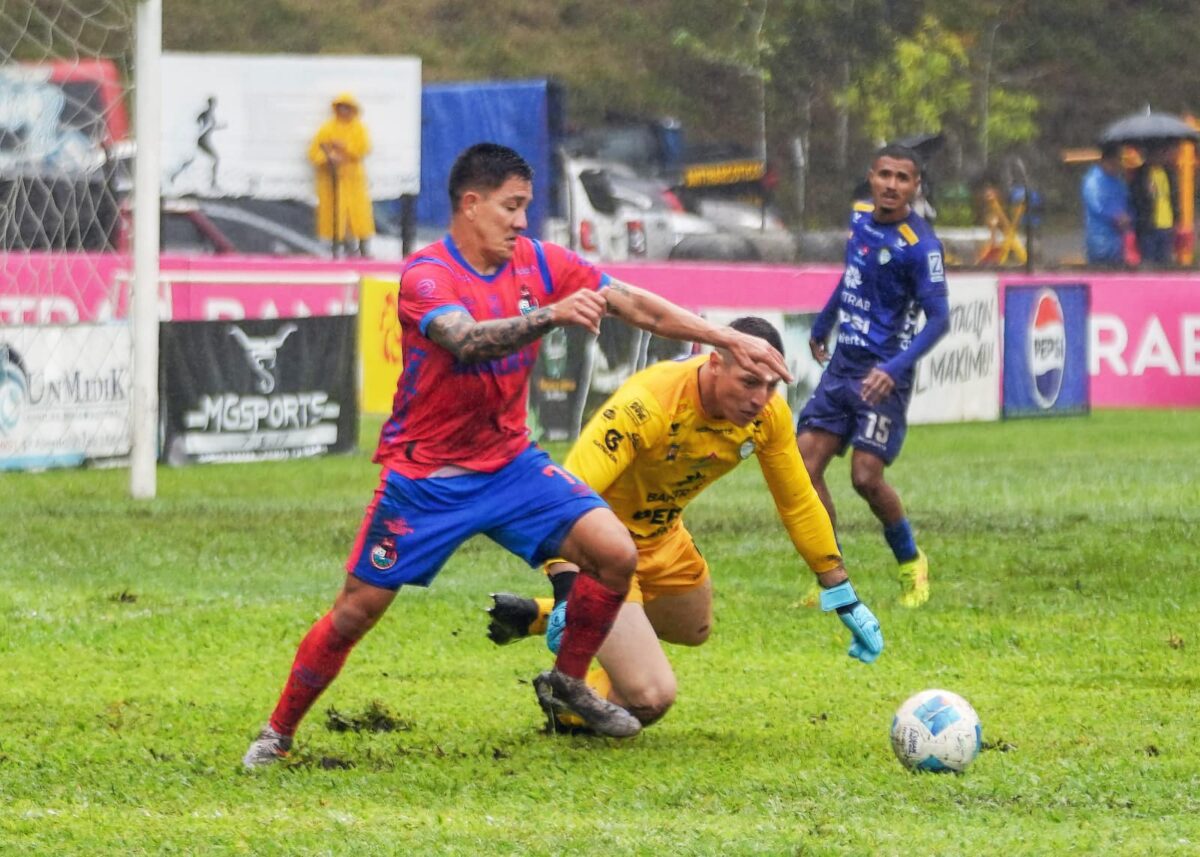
(936, 730)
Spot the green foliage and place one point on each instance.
(142, 644)
(1011, 117)
(928, 85)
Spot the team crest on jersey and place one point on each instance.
(937, 271)
(746, 450)
(526, 304)
(383, 554)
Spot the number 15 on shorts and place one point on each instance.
(877, 428)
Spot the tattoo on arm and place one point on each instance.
(473, 341)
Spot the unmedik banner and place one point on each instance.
(64, 395)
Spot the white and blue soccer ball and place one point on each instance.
(936, 730)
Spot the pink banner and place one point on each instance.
(211, 288)
(1144, 348)
(697, 285)
(64, 288)
(48, 288)
(1145, 328)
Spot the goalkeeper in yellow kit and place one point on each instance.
(668, 433)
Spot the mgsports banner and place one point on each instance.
(262, 389)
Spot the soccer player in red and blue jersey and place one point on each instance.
(456, 456)
(894, 271)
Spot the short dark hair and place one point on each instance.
(752, 325)
(899, 153)
(1110, 150)
(484, 167)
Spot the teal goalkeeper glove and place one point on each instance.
(556, 624)
(868, 639)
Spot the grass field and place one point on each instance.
(142, 645)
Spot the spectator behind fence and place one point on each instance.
(1155, 211)
(343, 203)
(1107, 213)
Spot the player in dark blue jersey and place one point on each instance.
(894, 271)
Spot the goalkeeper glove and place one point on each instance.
(555, 625)
(868, 639)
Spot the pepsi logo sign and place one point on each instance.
(1047, 344)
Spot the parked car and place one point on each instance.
(665, 222)
(212, 228)
(745, 225)
(607, 213)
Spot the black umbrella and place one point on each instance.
(1148, 126)
(924, 145)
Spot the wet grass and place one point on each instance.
(141, 646)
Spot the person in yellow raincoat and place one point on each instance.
(337, 151)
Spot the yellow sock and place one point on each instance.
(538, 625)
(598, 680)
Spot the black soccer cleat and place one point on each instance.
(511, 617)
(559, 693)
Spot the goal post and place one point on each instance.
(143, 456)
(79, 185)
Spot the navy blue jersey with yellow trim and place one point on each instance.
(893, 272)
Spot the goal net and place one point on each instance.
(66, 191)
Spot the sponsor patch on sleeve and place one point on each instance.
(937, 272)
(637, 411)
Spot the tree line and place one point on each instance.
(812, 84)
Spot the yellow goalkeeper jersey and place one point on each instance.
(651, 449)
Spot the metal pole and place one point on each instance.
(143, 454)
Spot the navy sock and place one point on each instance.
(900, 539)
(562, 584)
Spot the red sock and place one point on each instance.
(591, 610)
(318, 661)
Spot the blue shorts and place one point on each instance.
(412, 526)
(837, 407)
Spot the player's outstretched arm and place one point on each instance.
(472, 341)
(867, 642)
(658, 315)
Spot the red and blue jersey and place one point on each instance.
(472, 415)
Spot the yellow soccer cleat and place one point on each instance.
(914, 581)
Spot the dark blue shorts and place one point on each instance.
(412, 526)
(837, 407)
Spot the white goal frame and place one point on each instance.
(143, 315)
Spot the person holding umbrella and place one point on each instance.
(1154, 206)
(1153, 199)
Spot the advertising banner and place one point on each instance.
(1046, 350)
(254, 390)
(1144, 338)
(379, 344)
(241, 125)
(959, 379)
(64, 395)
(562, 378)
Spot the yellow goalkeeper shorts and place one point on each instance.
(668, 565)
